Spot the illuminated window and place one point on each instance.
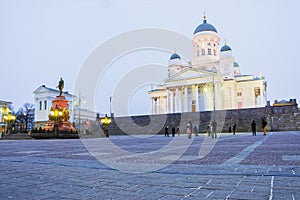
(240, 105)
(203, 52)
(209, 51)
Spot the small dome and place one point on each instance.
(175, 56)
(225, 48)
(205, 27)
(235, 64)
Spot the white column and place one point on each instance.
(168, 101)
(158, 105)
(152, 106)
(171, 101)
(197, 98)
(176, 100)
(185, 98)
(262, 97)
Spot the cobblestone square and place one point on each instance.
(238, 166)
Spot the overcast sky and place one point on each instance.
(41, 41)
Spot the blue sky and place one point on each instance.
(41, 41)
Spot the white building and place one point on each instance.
(43, 97)
(211, 81)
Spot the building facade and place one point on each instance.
(211, 81)
(5, 110)
(43, 97)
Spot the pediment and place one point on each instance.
(41, 89)
(189, 74)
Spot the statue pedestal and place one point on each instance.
(59, 116)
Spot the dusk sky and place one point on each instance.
(41, 41)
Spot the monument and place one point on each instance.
(58, 125)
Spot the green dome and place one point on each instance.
(235, 64)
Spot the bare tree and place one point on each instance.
(24, 114)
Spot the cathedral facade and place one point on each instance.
(211, 81)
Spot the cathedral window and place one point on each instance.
(41, 103)
(208, 44)
(240, 105)
(45, 105)
(209, 51)
(239, 94)
(203, 52)
(215, 52)
(198, 53)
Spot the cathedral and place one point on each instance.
(211, 81)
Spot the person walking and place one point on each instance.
(234, 128)
(166, 131)
(214, 129)
(189, 132)
(177, 130)
(208, 130)
(173, 131)
(264, 126)
(253, 128)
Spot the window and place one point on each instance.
(198, 53)
(41, 105)
(203, 52)
(208, 44)
(240, 104)
(239, 94)
(45, 105)
(209, 51)
(215, 52)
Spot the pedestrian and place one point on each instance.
(234, 128)
(208, 130)
(191, 127)
(173, 131)
(177, 131)
(214, 129)
(189, 132)
(253, 128)
(264, 126)
(166, 131)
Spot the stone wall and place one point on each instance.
(280, 118)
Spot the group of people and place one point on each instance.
(212, 129)
(173, 130)
(232, 128)
(264, 124)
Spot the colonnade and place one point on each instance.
(187, 98)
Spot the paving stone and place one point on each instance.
(64, 169)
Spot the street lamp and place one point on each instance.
(78, 101)
(56, 114)
(9, 118)
(106, 121)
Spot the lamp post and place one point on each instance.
(79, 98)
(9, 118)
(106, 121)
(56, 114)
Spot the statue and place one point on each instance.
(60, 86)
